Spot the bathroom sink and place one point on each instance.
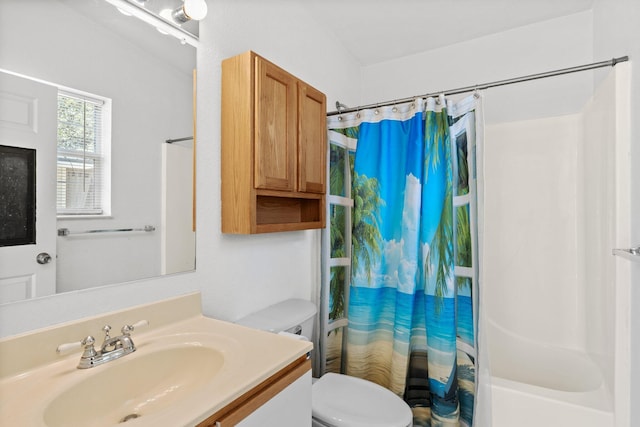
(186, 369)
(140, 384)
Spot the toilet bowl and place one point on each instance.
(337, 400)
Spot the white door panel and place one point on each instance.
(28, 119)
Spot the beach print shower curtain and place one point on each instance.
(412, 303)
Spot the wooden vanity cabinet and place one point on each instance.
(285, 396)
(273, 149)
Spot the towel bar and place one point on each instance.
(63, 232)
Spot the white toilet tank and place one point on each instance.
(295, 316)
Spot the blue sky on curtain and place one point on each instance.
(411, 320)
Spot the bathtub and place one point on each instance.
(534, 385)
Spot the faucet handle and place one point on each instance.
(127, 329)
(106, 329)
(67, 347)
(89, 350)
(70, 346)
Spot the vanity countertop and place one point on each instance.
(246, 357)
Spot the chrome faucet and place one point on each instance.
(112, 348)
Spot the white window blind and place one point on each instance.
(82, 151)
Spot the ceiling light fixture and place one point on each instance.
(166, 27)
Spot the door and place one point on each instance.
(275, 128)
(28, 119)
(312, 139)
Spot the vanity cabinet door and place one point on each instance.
(275, 128)
(283, 400)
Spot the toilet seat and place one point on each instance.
(344, 401)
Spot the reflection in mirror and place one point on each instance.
(88, 48)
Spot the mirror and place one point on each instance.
(88, 45)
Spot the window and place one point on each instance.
(83, 155)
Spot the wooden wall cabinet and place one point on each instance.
(274, 141)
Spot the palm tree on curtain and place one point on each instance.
(441, 249)
(463, 237)
(365, 232)
(463, 224)
(440, 254)
(338, 276)
(337, 181)
(365, 240)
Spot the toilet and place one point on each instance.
(337, 400)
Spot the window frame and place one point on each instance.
(327, 325)
(104, 155)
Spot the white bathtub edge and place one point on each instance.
(524, 405)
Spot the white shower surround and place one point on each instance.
(556, 300)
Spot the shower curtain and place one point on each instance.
(412, 303)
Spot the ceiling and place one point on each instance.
(381, 30)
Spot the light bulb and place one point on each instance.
(195, 9)
(191, 9)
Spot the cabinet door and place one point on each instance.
(275, 128)
(312, 139)
(285, 397)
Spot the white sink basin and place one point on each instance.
(133, 387)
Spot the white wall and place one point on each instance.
(237, 274)
(62, 46)
(545, 46)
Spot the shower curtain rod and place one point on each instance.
(341, 108)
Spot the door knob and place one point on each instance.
(43, 258)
